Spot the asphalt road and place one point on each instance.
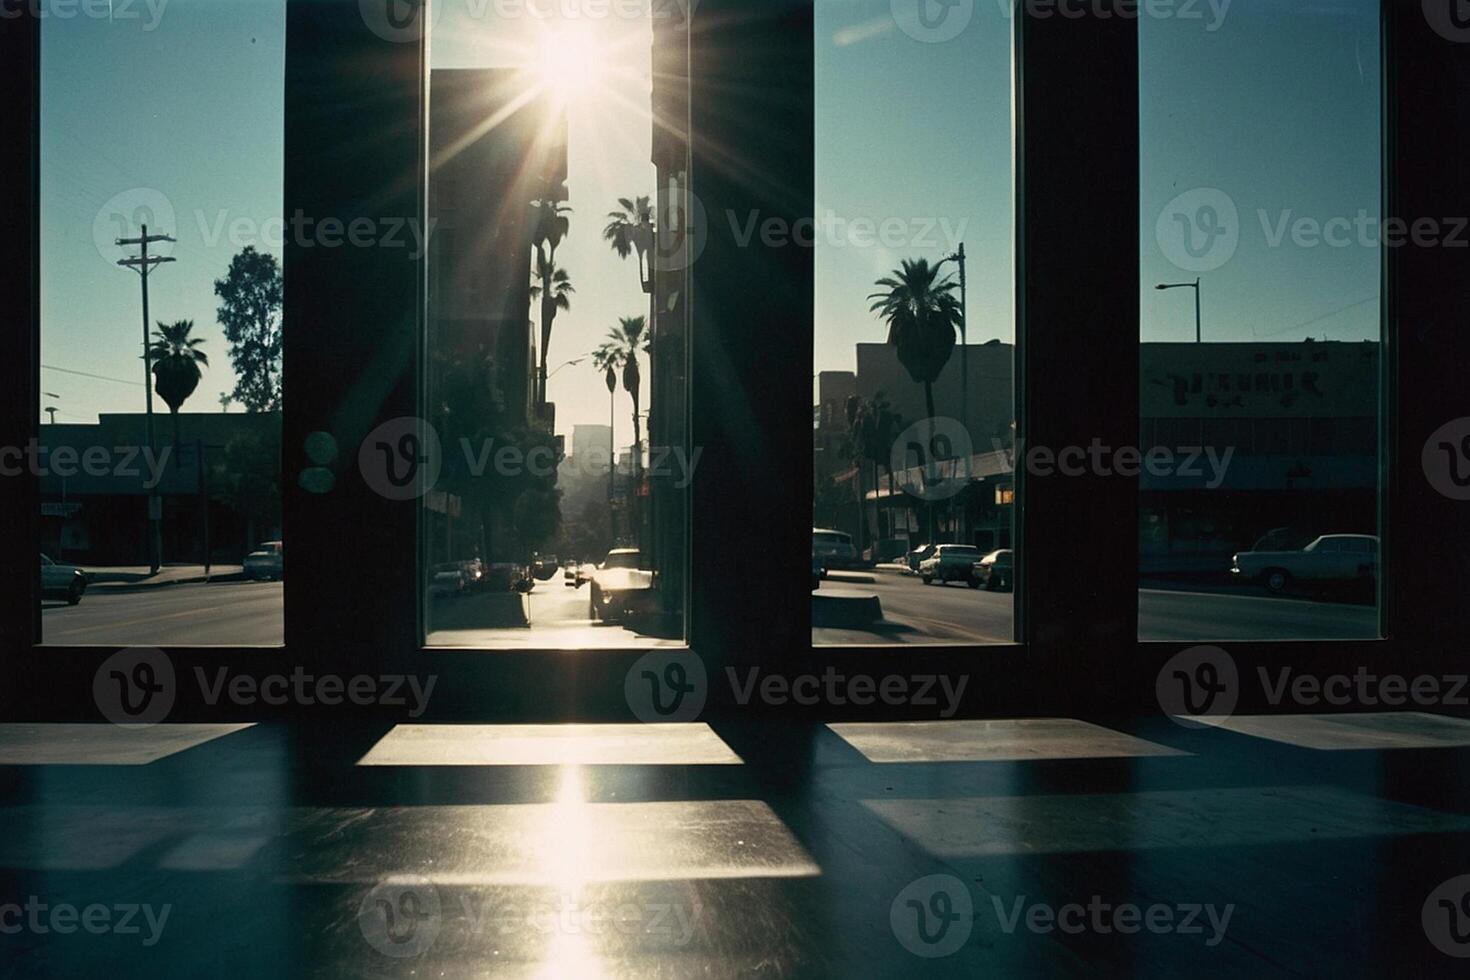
(917, 613)
(249, 614)
(197, 614)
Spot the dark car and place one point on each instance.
(834, 549)
(62, 581)
(995, 571)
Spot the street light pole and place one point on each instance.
(143, 263)
(1188, 285)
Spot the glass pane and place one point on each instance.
(557, 315)
(161, 162)
(1261, 241)
(915, 414)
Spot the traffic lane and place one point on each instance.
(559, 618)
(915, 613)
(196, 614)
(1197, 616)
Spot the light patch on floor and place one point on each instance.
(1374, 730)
(693, 744)
(101, 745)
(563, 844)
(1151, 819)
(1008, 740)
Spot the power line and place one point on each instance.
(98, 377)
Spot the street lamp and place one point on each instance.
(575, 360)
(1187, 285)
(51, 409)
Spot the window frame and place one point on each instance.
(1075, 102)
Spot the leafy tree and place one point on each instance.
(175, 357)
(250, 312)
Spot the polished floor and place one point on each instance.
(1044, 847)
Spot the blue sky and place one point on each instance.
(1277, 109)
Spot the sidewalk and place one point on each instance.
(137, 576)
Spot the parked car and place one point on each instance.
(917, 555)
(834, 549)
(949, 563)
(60, 581)
(448, 580)
(1331, 558)
(266, 562)
(995, 571)
(619, 586)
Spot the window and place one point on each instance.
(556, 323)
(159, 452)
(914, 320)
(1260, 356)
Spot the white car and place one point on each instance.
(267, 562)
(950, 563)
(1340, 558)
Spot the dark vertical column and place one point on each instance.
(1426, 533)
(751, 339)
(20, 196)
(354, 150)
(1077, 275)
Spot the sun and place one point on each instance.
(571, 63)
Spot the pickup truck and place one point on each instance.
(1331, 558)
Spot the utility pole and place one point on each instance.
(143, 263)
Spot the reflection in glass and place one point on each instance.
(557, 311)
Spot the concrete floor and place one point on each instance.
(1041, 847)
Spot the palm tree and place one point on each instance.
(549, 225)
(552, 285)
(624, 343)
(630, 229)
(225, 401)
(176, 359)
(922, 314)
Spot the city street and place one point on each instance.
(250, 614)
(196, 614)
(917, 613)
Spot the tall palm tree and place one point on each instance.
(627, 340)
(176, 359)
(554, 288)
(923, 314)
(608, 359)
(630, 229)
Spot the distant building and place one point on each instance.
(95, 512)
(592, 443)
(1299, 421)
